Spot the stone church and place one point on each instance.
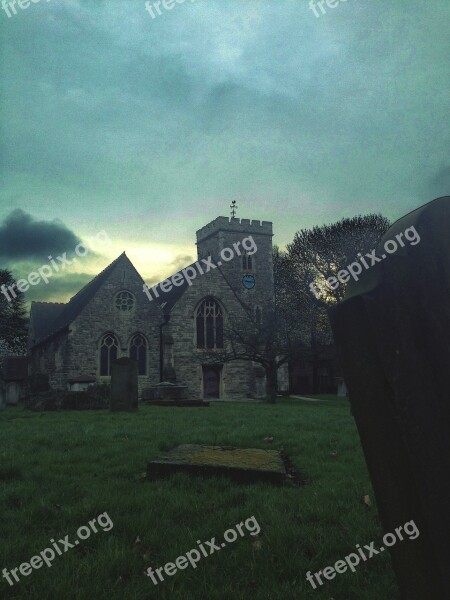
(112, 317)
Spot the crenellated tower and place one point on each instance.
(251, 272)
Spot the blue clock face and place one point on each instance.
(248, 281)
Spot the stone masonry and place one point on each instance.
(67, 344)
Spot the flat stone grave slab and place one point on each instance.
(245, 465)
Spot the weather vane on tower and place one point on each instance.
(234, 208)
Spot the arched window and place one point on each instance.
(138, 352)
(108, 353)
(209, 318)
(247, 262)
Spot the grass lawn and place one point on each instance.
(60, 470)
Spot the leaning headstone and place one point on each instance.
(124, 384)
(392, 332)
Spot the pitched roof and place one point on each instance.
(53, 323)
(167, 300)
(43, 315)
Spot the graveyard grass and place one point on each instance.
(60, 470)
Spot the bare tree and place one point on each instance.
(314, 256)
(319, 253)
(265, 337)
(295, 324)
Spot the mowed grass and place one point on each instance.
(60, 470)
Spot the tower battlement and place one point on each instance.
(234, 225)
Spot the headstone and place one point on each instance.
(13, 391)
(341, 387)
(260, 382)
(2, 396)
(392, 332)
(124, 384)
(14, 374)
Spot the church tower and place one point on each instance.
(243, 250)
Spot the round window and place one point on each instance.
(124, 301)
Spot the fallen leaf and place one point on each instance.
(257, 544)
(137, 544)
(367, 501)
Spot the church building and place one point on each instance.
(169, 333)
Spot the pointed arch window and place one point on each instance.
(247, 262)
(209, 320)
(108, 352)
(138, 352)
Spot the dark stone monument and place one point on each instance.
(169, 394)
(393, 337)
(2, 396)
(124, 384)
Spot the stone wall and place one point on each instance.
(77, 352)
(240, 379)
(237, 376)
(101, 316)
(52, 358)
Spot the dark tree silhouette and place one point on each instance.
(314, 256)
(321, 252)
(13, 321)
(295, 325)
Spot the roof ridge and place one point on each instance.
(96, 277)
(78, 302)
(50, 303)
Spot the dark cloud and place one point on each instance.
(23, 237)
(151, 126)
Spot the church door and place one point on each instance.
(211, 382)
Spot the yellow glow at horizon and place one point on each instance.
(152, 260)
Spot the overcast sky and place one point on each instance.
(148, 128)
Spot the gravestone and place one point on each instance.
(244, 465)
(392, 333)
(170, 394)
(124, 384)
